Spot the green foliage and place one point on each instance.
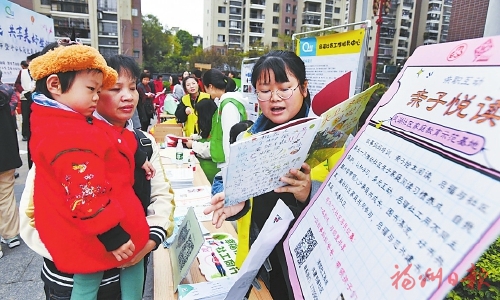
(166, 85)
(154, 43)
(487, 266)
(186, 41)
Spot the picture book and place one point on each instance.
(257, 163)
(217, 256)
(413, 202)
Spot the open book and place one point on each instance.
(256, 164)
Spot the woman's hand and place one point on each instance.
(150, 245)
(220, 211)
(125, 251)
(188, 110)
(189, 143)
(299, 185)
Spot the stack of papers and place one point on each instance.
(180, 177)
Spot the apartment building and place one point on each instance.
(468, 18)
(112, 26)
(242, 25)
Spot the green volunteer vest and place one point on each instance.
(216, 145)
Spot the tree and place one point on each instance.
(186, 40)
(155, 43)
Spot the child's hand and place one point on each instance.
(149, 169)
(125, 251)
(188, 110)
(221, 212)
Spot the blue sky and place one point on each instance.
(186, 14)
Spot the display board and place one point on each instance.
(332, 66)
(413, 201)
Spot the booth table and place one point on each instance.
(163, 280)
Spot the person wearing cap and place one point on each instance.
(87, 214)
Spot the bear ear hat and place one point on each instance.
(72, 58)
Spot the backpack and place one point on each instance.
(142, 186)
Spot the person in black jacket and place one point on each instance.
(145, 107)
(9, 161)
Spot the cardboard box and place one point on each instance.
(161, 130)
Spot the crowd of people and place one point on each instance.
(95, 182)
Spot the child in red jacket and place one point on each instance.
(87, 213)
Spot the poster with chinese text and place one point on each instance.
(414, 200)
(331, 63)
(22, 32)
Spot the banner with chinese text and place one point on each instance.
(22, 32)
(414, 201)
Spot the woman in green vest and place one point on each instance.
(200, 143)
(231, 110)
(185, 110)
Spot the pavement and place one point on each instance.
(20, 267)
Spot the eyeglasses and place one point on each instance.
(284, 94)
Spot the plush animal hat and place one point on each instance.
(72, 58)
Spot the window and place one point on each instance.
(288, 7)
(287, 31)
(276, 7)
(222, 9)
(221, 23)
(134, 12)
(295, 9)
(45, 2)
(108, 52)
(274, 45)
(275, 32)
(135, 33)
(137, 53)
(287, 20)
(276, 20)
(221, 38)
(108, 28)
(294, 22)
(337, 10)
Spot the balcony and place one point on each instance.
(257, 18)
(430, 42)
(408, 4)
(447, 2)
(235, 3)
(435, 1)
(260, 4)
(312, 1)
(71, 1)
(405, 24)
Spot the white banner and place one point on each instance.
(22, 33)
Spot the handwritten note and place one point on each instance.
(257, 163)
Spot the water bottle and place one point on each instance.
(179, 153)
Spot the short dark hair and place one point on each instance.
(238, 128)
(205, 109)
(145, 75)
(281, 63)
(159, 76)
(124, 63)
(24, 63)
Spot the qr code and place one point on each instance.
(183, 233)
(185, 253)
(305, 247)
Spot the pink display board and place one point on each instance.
(414, 199)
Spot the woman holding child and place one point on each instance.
(279, 79)
(92, 206)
